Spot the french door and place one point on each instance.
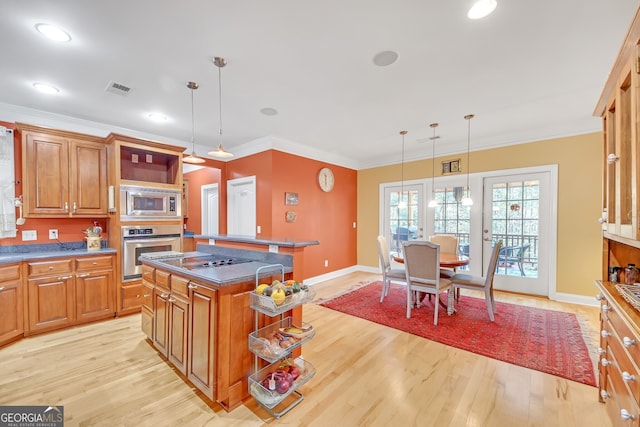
(517, 210)
(403, 214)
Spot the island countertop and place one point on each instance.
(285, 241)
(229, 274)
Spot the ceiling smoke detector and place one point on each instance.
(119, 88)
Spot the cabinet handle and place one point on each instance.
(192, 286)
(626, 415)
(64, 277)
(1, 288)
(84, 274)
(627, 377)
(599, 297)
(164, 295)
(95, 263)
(628, 342)
(66, 206)
(606, 308)
(171, 300)
(138, 296)
(612, 158)
(605, 334)
(75, 207)
(604, 394)
(602, 350)
(146, 295)
(605, 362)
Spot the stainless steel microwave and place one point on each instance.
(147, 203)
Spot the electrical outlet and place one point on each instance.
(326, 263)
(53, 234)
(273, 248)
(29, 235)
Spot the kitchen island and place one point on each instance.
(199, 316)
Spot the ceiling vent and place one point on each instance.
(119, 88)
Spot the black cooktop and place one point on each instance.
(212, 261)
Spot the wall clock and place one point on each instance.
(326, 179)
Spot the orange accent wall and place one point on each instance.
(326, 217)
(197, 179)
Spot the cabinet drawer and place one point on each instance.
(148, 273)
(162, 279)
(131, 296)
(50, 267)
(93, 263)
(147, 295)
(621, 395)
(621, 363)
(9, 272)
(179, 285)
(625, 334)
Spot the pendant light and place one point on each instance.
(433, 202)
(402, 203)
(193, 157)
(220, 151)
(467, 201)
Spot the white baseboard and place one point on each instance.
(577, 299)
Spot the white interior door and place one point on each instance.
(517, 209)
(241, 206)
(210, 205)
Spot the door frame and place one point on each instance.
(204, 211)
(232, 218)
(476, 185)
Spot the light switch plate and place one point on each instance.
(29, 235)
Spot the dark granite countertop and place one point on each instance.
(10, 257)
(221, 276)
(285, 241)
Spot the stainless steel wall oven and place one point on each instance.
(140, 239)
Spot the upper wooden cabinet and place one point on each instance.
(65, 174)
(620, 111)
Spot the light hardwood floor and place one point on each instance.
(106, 374)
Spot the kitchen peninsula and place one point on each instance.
(196, 313)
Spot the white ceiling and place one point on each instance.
(532, 70)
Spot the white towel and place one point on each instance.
(7, 185)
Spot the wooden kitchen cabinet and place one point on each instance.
(201, 338)
(146, 314)
(171, 318)
(64, 173)
(51, 295)
(95, 289)
(11, 304)
(619, 354)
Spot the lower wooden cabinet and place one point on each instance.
(146, 315)
(11, 304)
(201, 339)
(95, 293)
(67, 291)
(52, 302)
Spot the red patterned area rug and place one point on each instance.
(545, 340)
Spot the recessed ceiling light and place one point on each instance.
(268, 111)
(53, 33)
(46, 88)
(481, 8)
(385, 58)
(157, 117)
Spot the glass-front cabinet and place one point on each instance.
(620, 198)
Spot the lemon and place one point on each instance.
(260, 289)
(278, 296)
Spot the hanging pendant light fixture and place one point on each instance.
(402, 203)
(433, 202)
(220, 151)
(467, 201)
(193, 157)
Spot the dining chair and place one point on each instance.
(468, 281)
(448, 244)
(422, 268)
(388, 274)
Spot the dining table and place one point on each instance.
(447, 260)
